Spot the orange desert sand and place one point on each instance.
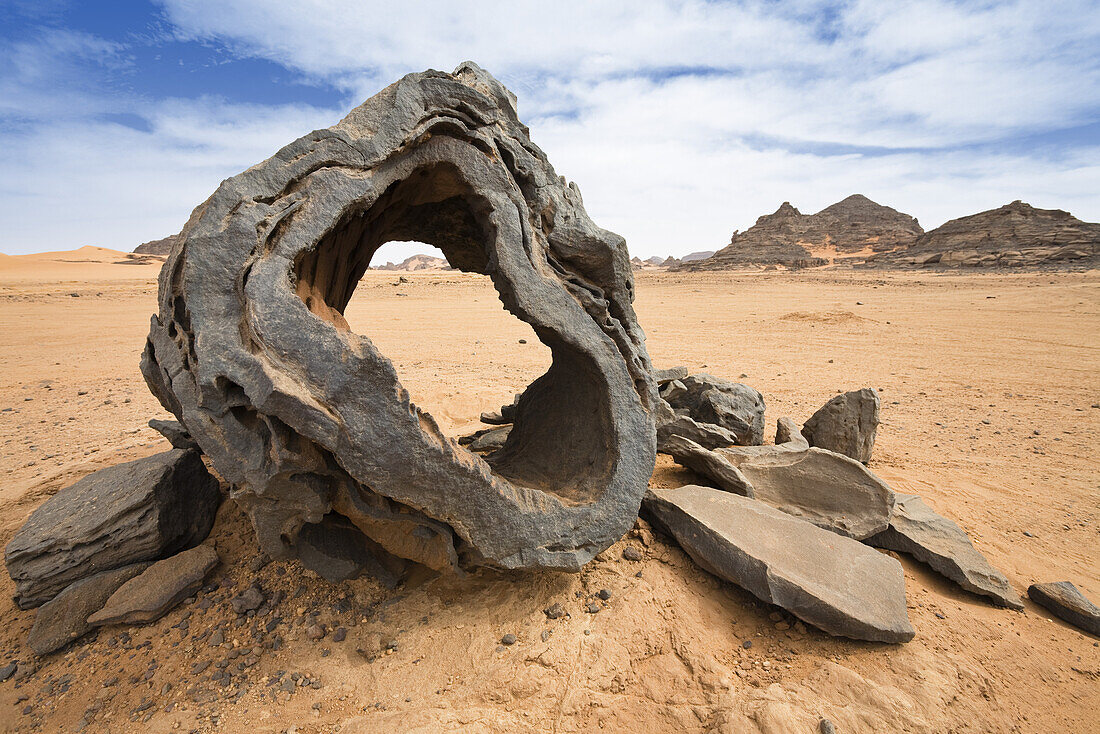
(989, 385)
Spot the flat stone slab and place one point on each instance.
(138, 511)
(918, 530)
(65, 617)
(153, 593)
(847, 424)
(1065, 601)
(834, 583)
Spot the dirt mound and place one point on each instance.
(823, 317)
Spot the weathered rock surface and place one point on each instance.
(339, 551)
(155, 591)
(176, 434)
(491, 440)
(124, 514)
(847, 424)
(916, 529)
(850, 228)
(732, 406)
(670, 374)
(1013, 235)
(827, 489)
(706, 435)
(157, 247)
(788, 432)
(839, 585)
(251, 352)
(1065, 601)
(65, 617)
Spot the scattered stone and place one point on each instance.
(315, 632)
(258, 563)
(124, 514)
(250, 599)
(340, 634)
(826, 727)
(217, 638)
(508, 639)
(847, 424)
(317, 422)
(176, 434)
(65, 617)
(837, 584)
(630, 553)
(8, 671)
(153, 593)
(1065, 601)
(746, 644)
(734, 406)
(545, 635)
(917, 530)
(592, 607)
(604, 594)
(554, 611)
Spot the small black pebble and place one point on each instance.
(604, 594)
(508, 639)
(746, 644)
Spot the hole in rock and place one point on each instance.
(456, 350)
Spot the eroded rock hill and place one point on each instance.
(854, 227)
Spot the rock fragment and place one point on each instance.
(176, 434)
(133, 512)
(670, 374)
(733, 406)
(836, 584)
(918, 530)
(248, 600)
(847, 424)
(150, 595)
(1065, 601)
(65, 617)
(491, 440)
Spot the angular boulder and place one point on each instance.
(916, 529)
(138, 511)
(251, 352)
(65, 617)
(155, 591)
(1065, 601)
(176, 434)
(847, 424)
(836, 584)
(733, 406)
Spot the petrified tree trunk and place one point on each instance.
(309, 421)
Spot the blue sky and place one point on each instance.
(681, 120)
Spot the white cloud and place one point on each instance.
(680, 120)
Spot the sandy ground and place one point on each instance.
(989, 385)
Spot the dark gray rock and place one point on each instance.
(153, 593)
(733, 406)
(917, 530)
(65, 617)
(1065, 601)
(337, 550)
(491, 440)
(8, 671)
(176, 434)
(251, 352)
(706, 435)
(138, 511)
(251, 598)
(494, 418)
(827, 489)
(670, 374)
(836, 584)
(847, 424)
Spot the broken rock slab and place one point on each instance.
(138, 511)
(176, 434)
(825, 488)
(65, 617)
(1065, 601)
(836, 584)
(155, 591)
(670, 374)
(916, 529)
(847, 424)
(733, 406)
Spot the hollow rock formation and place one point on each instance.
(309, 422)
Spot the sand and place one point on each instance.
(988, 383)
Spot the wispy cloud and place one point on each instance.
(680, 120)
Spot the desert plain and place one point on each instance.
(990, 412)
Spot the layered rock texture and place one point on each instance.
(157, 247)
(138, 511)
(1016, 234)
(310, 423)
(854, 227)
(834, 583)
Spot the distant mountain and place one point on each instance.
(850, 229)
(416, 263)
(693, 256)
(157, 247)
(1015, 234)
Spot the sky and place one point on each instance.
(680, 120)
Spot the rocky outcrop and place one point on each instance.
(155, 591)
(138, 511)
(852, 228)
(847, 424)
(416, 263)
(836, 584)
(306, 419)
(65, 617)
(157, 247)
(1013, 235)
(918, 530)
(1065, 601)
